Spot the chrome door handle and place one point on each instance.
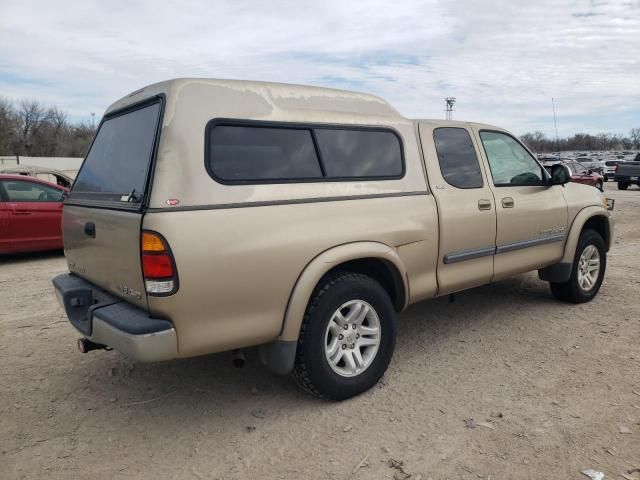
(484, 204)
(507, 202)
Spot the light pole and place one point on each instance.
(450, 101)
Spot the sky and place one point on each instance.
(503, 60)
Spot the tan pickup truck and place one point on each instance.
(215, 215)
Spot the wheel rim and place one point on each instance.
(352, 338)
(588, 268)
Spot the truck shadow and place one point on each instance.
(198, 384)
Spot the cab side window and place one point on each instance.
(457, 158)
(579, 169)
(25, 191)
(510, 163)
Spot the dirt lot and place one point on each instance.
(504, 383)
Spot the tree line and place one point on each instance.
(28, 127)
(540, 143)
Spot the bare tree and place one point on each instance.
(7, 126)
(31, 116)
(31, 128)
(635, 138)
(535, 141)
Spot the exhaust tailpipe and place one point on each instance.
(238, 359)
(85, 345)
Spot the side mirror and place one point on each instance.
(560, 174)
(590, 172)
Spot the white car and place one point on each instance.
(609, 169)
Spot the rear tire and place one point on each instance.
(335, 362)
(587, 272)
(600, 187)
(622, 186)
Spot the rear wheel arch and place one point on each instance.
(376, 260)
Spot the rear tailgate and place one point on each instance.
(102, 217)
(110, 256)
(629, 169)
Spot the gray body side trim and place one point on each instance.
(296, 201)
(463, 255)
(533, 242)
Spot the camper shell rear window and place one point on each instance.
(116, 168)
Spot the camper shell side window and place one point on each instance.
(258, 152)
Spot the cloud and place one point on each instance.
(503, 60)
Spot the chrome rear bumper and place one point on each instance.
(107, 320)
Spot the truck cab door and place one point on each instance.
(466, 209)
(532, 214)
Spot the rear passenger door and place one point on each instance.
(466, 210)
(532, 214)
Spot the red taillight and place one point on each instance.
(616, 168)
(158, 267)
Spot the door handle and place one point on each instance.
(507, 202)
(484, 204)
(90, 229)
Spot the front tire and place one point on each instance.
(587, 272)
(599, 186)
(622, 186)
(347, 337)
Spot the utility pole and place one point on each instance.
(93, 120)
(555, 124)
(450, 102)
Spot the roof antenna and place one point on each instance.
(450, 101)
(555, 124)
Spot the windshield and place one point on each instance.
(117, 164)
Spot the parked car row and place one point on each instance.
(30, 214)
(603, 163)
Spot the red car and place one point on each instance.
(581, 174)
(30, 214)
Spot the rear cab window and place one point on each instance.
(261, 153)
(457, 157)
(116, 168)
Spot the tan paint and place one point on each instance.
(111, 260)
(462, 226)
(246, 273)
(577, 225)
(238, 267)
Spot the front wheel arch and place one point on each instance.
(593, 217)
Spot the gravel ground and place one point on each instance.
(504, 383)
